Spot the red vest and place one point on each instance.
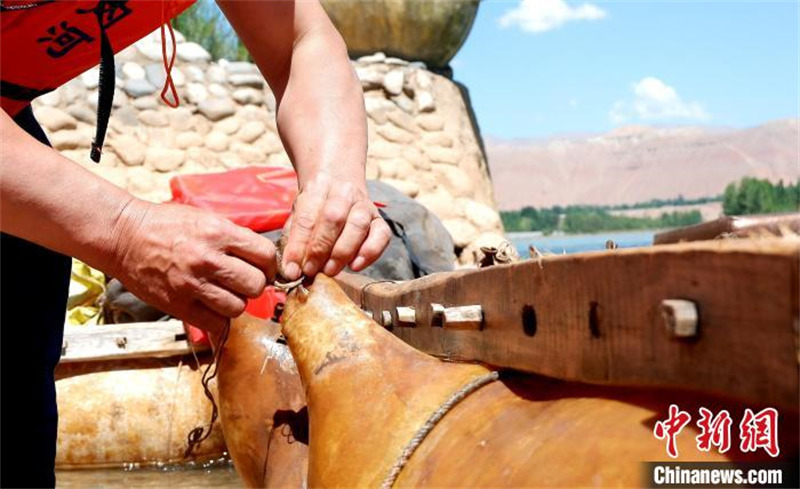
(45, 43)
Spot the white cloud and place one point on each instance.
(544, 15)
(653, 100)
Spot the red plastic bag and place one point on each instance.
(256, 197)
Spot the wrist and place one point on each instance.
(125, 222)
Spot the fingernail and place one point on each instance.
(358, 263)
(310, 267)
(330, 267)
(292, 271)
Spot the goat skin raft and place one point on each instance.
(369, 394)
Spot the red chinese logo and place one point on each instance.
(759, 431)
(756, 430)
(714, 430)
(670, 428)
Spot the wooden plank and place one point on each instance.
(599, 317)
(123, 341)
(731, 226)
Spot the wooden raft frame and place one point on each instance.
(597, 317)
(159, 339)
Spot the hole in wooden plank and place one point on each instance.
(594, 319)
(529, 320)
(181, 337)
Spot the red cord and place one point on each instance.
(169, 84)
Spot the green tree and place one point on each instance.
(205, 24)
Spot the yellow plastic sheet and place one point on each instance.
(86, 285)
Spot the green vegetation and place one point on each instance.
(204, 24)
(590, 219)
(754, 196)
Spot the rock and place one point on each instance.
(217, 90)
(70, 139)
(55, 119)
(248, 153)
(280, 159)
(372, 58)
(430, 122)
(248, 96)
(123, 118)
(231, 160)
(456, 180)
(216, 74)
(449, 156)
(196, 93)
(403, 120)
(120, 98)
(395, 61)
(406, 104)
(194, 73)
(417, 158)
(396, 168)
(128, 149)
(133, 71)
(139, 87)
(155, 74)
(251, 131)
(269, 143)
(207, 159)
(83, 114)
(384, 150)
(481, 215)
(240, 68)
(438, 139)
(370, 79)
(393, 82)
(246, 80)
(395, 134)
(217, 141)
(423, 80)
(186, 140)
(149, 50)
(228, 126)
(144, 103)
(420, 65)
(192, 52)
(424, 101)
(408, 187)
(372, 171)
(180, 118)
(217, 109)
(91, 78)
(51, 99)
(140, 181)
(462, 231)
(270, 102)
(441, 203)
(154, 118)
(178, 78)
(164, 159)
(378, 108)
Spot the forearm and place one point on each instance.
(321, 117)
(49, 200)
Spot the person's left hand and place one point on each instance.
(333, 224)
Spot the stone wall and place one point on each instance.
(420, 136)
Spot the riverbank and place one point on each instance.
(575, 243)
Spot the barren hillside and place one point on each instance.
(635, 164)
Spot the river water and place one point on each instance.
(574, 243)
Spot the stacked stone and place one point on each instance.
(420, 137)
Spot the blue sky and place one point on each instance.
(537, 68)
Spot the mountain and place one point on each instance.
(636, 163)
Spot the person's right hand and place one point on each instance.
(191, 264)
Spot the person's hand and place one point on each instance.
(333, 224)
(192, 264)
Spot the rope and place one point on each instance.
(201, 434)
(169, 84)
(426, 428)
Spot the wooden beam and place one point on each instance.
(600, 317)
(732, 226)
(132, 340)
